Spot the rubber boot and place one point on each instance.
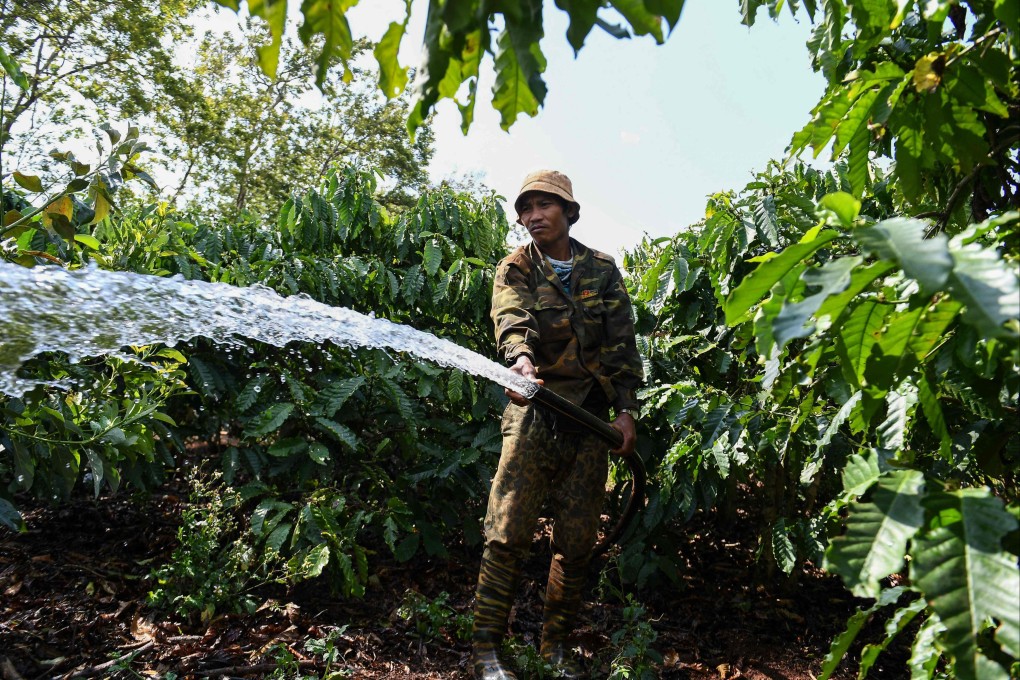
(562, 602)
(497, 586)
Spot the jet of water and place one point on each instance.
(92, 312)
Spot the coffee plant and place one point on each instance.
(847, 369)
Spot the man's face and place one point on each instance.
(543, 216)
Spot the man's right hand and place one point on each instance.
(524, 368)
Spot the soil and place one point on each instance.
(74, 605)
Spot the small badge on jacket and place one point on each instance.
(585, 294)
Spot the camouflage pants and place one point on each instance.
(539, 464)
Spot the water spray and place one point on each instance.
(92, 312)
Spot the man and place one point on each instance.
(562, 318)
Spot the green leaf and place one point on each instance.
(392, 77)
(433, 256)
(274, 12)
(860, 279)
(436, 58)
(407, 547)
(902, 240)
(832, 278)
(10, 66)
(841, 643)
(87, 241)
(319, 453)
(335, 394)
(269, 420)
(986, 285)
(341, 433)
(28, 182)
(968, 578)
(315, 561)
(278, 537)
(858, 163)
(812, 465)
(101, 204)
(877, 532)
(860, 473)
(932, 410)
(782, 547)
(757, 283)
(900, 404)
(667, 9)
(10, 517)
(900, 619)
(924, 653)
(261, 522)
(642, 21)
(933, 328)
(288, 446)
(111, 132)
(327, 18)
(890, 357)
(512, 94)
(583, 14)
(857, 336)
(843, 205)
(250, 394)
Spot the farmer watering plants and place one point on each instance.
(562, 319)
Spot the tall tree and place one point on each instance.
(243, 141)
(83, 60)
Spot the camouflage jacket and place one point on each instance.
(574, 341)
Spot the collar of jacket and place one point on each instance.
(582, 258)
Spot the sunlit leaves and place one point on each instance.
(830, 279)
(877, 533)
(518, 88)
(392, 77)
(10, 66)
(641, 20)
(903, 241)
(758, 282)
(842, 642)
(457, 36)
(274, 12)
(967, 540)
(327, 18)
(29, 182)
(988, 288)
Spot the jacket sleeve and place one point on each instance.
(620, 359)
(512, 304)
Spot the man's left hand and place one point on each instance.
(624, 424)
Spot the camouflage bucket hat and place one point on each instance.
(551, 182)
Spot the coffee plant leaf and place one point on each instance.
(842, 642)
(902, 240)
(924, 652)
(877, 533)
(392, 77)
(987, 286)
(10, 517)
(756, 284)
(895, 625)
(967, 577)
(269, 420)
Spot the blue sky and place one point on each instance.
(645, 132)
